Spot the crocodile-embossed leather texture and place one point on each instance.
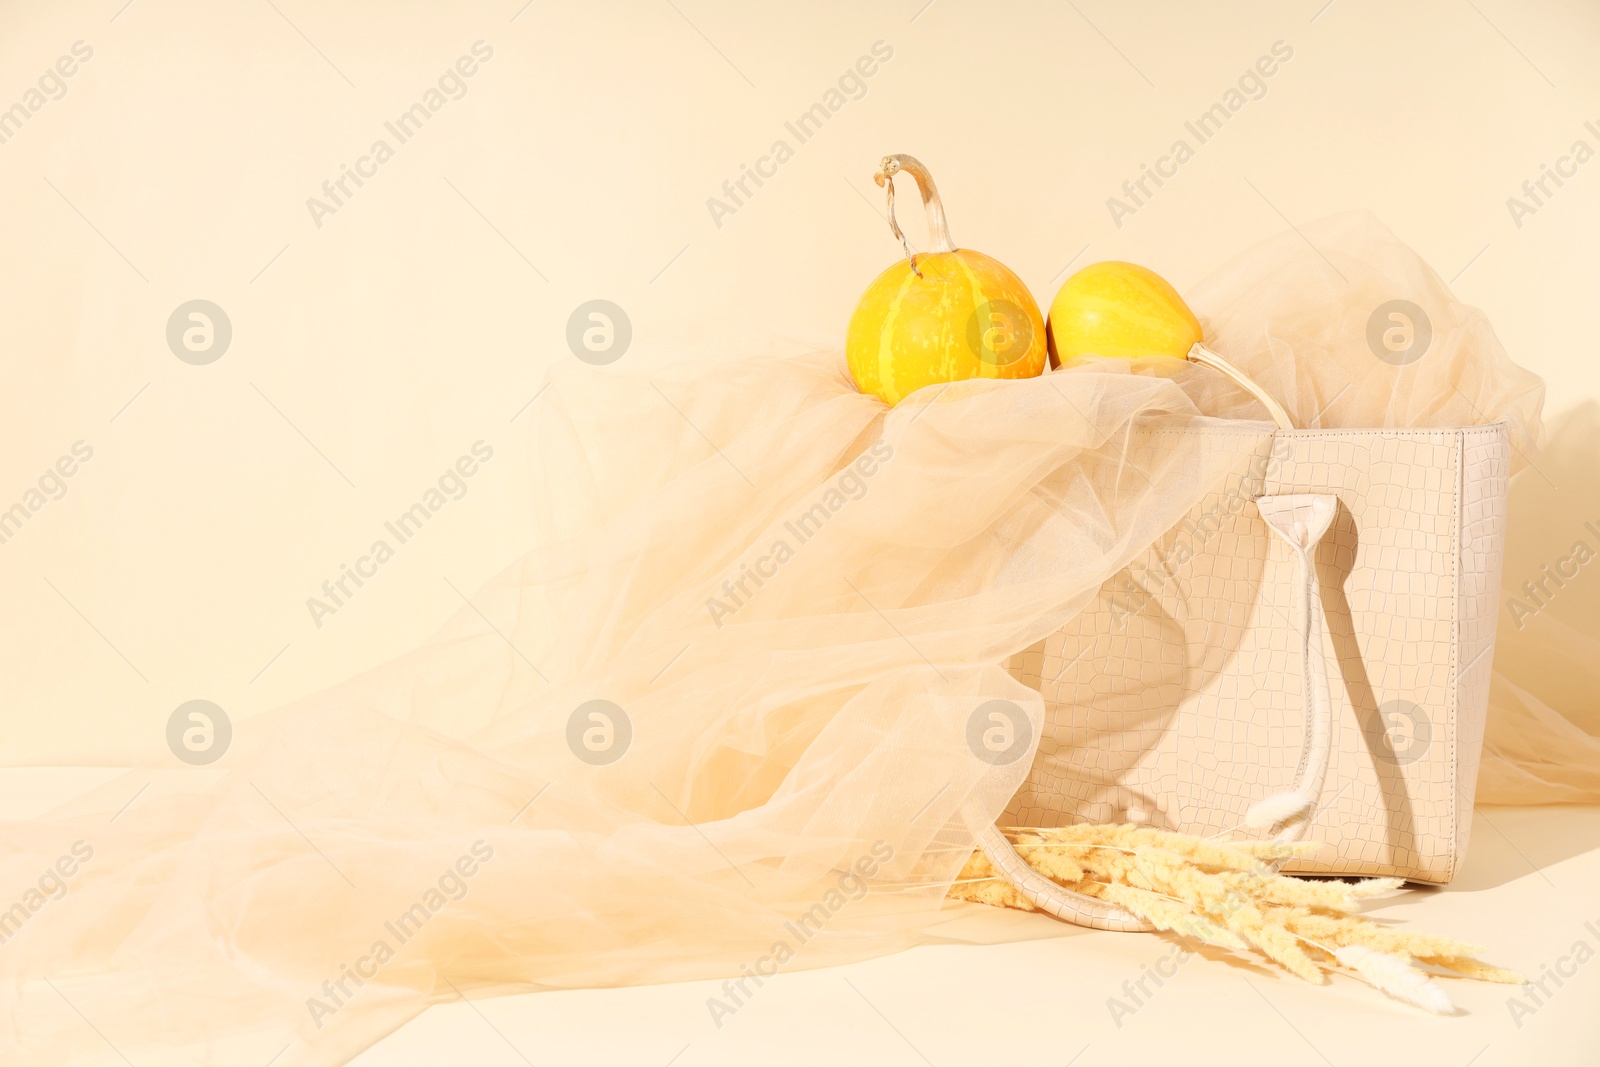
(1175, 698)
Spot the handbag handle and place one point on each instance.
(1079, 909)
(1300, 520)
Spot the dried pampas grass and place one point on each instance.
(1229, 893)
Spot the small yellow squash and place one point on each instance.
(1120, 309)
(1127, 311)
(940, 316)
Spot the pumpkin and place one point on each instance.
(944, 315)
(1119, 309)
(1125, 310)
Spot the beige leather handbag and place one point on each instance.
(1307, 654)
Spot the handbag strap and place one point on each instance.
(1300, 520)
(1076, 908)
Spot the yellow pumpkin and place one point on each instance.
(1120, 309)
(942, 316)
(1127, 311)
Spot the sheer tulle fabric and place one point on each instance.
(1543, 740)
(798, 599)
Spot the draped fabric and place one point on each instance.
(727, 691)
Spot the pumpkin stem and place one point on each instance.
(938, 229)
(1205, 357)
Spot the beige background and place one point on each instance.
(370, 352)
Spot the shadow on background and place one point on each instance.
(1542, 744)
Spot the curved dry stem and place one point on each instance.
(938, 228)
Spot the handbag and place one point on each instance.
(1308, 649)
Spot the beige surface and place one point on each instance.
(1526, 892)
(179, 161)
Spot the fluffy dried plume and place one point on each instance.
(1396, 976)
(1229, 893)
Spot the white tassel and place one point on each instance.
(1396, 976)
(1278, 808)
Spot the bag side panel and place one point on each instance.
(1485, 501)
